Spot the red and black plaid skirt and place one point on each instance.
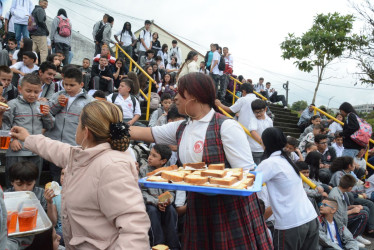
(224, 222)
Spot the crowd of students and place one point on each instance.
(55, 106)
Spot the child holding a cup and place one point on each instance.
(25, 111)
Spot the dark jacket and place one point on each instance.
(351, 125)
(97, 72)
(40, 18)
(328, 156)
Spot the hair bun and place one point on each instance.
(119, 136)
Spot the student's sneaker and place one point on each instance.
(285, 107)
(363, 240)
(359, 244)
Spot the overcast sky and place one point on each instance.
(253, 31)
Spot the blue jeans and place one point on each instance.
(350, 152)
(21, 30)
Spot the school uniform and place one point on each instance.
(127, 105)
(220, 221)
(296, 225)
(258, 125)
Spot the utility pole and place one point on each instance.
(285, 86)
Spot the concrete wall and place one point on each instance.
(81, 46)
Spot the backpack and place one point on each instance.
(64, 28)
(99, 33)
(155, 101)
(114, 97)
(222, 64)
(363, 134)
(31, 25)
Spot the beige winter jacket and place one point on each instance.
(102, 205)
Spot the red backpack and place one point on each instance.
(64, 28)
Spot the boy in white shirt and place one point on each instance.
(129, 104)
(338, 144)
(256, 127)
(26, 66)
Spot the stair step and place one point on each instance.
(284, 112)
(286, 119)
(291, 130)
(285, 124)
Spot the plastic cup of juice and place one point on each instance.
(43, 104)
(4, 139)
(12, 221)
(27, 218)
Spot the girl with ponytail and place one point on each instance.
(101, 196)
(294, 213)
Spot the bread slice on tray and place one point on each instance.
(160, 247)
(249, 181)
(237, 172)
(172, 167)
(219, 166)
(156, 179)
(226, 181)
(173, 176)
(214, 173)
(196, 165)
(195, 179)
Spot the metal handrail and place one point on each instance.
(341, 123)
(306, 180)
(148, 98)
(254, 92)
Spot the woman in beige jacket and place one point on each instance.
(190, 65)
(102, 206)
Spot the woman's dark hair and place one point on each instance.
(341, 163)
(132, 75)
(190, 55)
(122, 69)
(156, 74)
(274, 140)
(27, 46)
(240, 78)
(164, 46)
(172, 79)
(24, 171)
(175, 59)
(199, 86)
(313, 159)
(347, 108)
(62, 12)
(129, 29)
(143, 79)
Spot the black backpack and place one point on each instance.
(222, 64)
(114, 97)
(99, 33)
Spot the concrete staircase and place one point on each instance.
(285, 120)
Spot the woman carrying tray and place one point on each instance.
(221, 221)
(296, 223)
(102, 206)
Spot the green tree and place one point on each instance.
(329, 38)
(299, 105)
(365, 53)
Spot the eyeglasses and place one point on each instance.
(259, 112)
(325, 205)
(325, 142)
